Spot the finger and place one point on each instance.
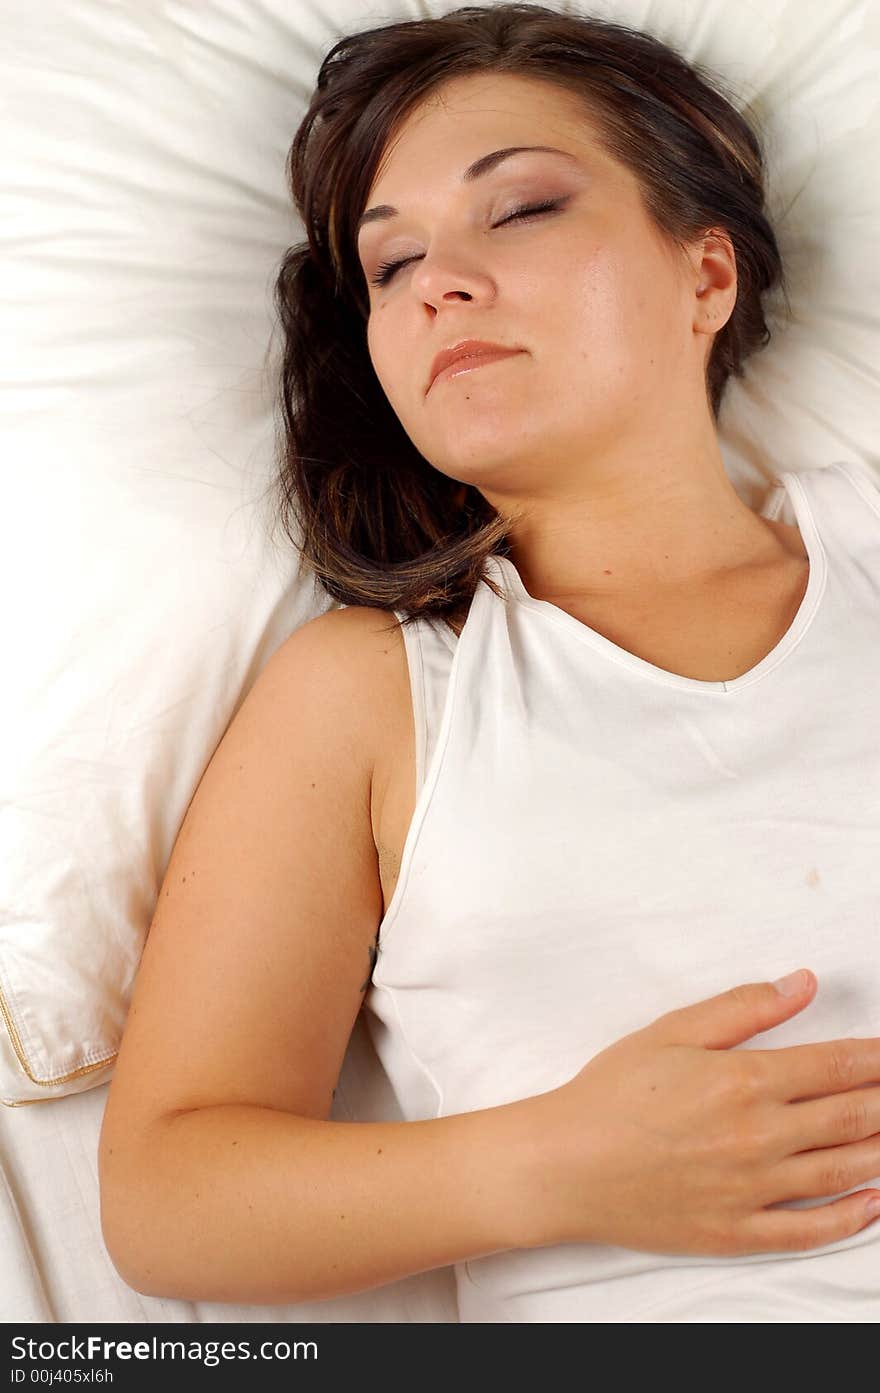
(736, 1015)
(813, 1071)
(796, 1230)
(834, 1121)
(829, 1170)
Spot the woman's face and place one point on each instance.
(600, 307)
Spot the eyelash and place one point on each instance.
(387, 269)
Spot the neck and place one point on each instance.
(658, 531)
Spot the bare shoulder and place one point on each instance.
(358, 631)
(358, 655)
(362, 663)
(364, 642)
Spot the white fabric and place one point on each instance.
(144, 213)
(597, 841)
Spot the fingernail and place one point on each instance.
(872, 1208)
(792, 984)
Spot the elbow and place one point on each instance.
(129, 1272)
(136, 1251)
(122, 1225)
(130, 1204)
(151, 1239)
(130, 1226)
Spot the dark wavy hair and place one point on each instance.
(370, 516)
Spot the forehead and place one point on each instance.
(456, 120)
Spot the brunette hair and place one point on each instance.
(370, 516)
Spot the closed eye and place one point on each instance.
(387, 269)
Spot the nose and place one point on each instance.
(438, 279)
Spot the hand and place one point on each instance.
(670, 1142)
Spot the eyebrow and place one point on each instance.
(474, 171)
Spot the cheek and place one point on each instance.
(611, 308)
(396, 372)
(598, 313)
(378, 348)
(383, 339)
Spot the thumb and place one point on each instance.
(738, 1014)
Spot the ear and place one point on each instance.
(713, 261)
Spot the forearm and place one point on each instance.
(242, 1203)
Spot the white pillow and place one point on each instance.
(145, 213)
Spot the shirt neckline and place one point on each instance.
(794, 489)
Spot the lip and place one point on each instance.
(476, 349)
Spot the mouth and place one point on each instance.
(469, 361)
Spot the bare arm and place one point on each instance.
(245, 1204)
(221, 1176)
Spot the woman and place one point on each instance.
(598, 768)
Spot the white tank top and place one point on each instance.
(597, 841)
